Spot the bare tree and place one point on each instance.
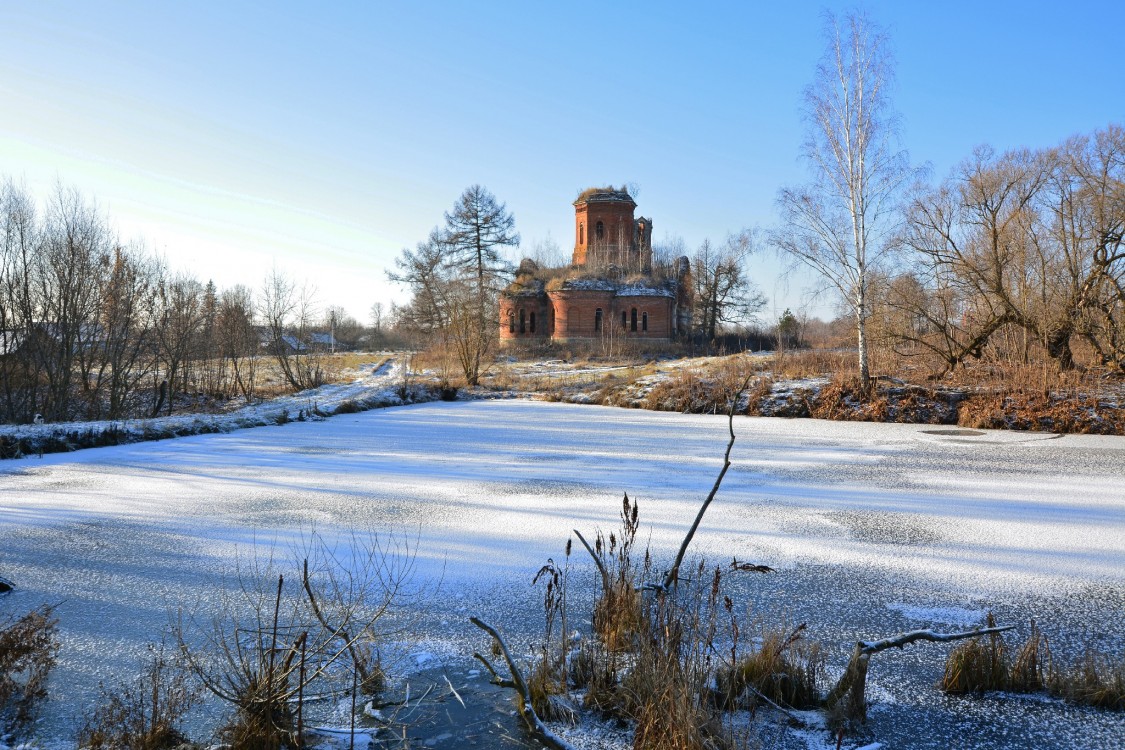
(455, 276)
(18, 248)
(1026, 241)
(378, 317)
(425, 271)
(288, 314)
(127, 320)
(179, 320)
(723, 291)
(237, 338)
(841, 223)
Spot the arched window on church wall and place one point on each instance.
(522, 322)
(644, 321)
(598, 320)
(633, 320)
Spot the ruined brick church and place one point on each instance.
(611, 287)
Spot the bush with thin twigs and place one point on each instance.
(29, 647)
(276, 645)
(143, 715)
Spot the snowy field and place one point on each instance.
(875, 529)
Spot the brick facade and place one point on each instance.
(590, 300)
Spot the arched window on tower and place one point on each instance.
(633, 320)
(511, 322)
(644, 321)
(581, 234)
(599, 231)
(624, 320)
(531, 323)
(522, 322)
(598, 320)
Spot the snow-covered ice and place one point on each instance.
(876, 529)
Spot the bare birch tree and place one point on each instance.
(841, 223)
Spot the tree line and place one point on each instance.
(1020, 252)
(94, 328)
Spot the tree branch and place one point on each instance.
(534, 723)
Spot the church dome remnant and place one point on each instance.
(610, 287)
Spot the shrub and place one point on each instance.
(29, 647)
(348, 406)
(144, 715)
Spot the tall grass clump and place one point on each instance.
(978, 664)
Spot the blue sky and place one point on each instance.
(323, 138)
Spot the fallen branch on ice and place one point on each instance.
(852, 685)
(517, 683)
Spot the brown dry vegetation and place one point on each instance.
(986, 663)
(997, 395)
(29, 646)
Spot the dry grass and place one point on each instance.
(707, 389)
(1037, 411)
(784, 668)
(1031, 663)
(1095, 679)
(144, 715)
(814, 363)
(978, 664)
(985, 663)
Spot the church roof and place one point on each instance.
(604, 195)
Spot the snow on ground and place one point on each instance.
(876, 529)
(376, 385)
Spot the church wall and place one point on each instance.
(529, 304)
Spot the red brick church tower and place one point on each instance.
(609, 292)
(607, 236)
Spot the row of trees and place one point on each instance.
(93, 328)
(1027, 241)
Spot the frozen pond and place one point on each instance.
(874, 528)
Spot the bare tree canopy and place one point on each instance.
(723, 291)
(455, 275)
(1025, 240)
(841, 223)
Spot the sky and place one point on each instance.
(322, 138)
